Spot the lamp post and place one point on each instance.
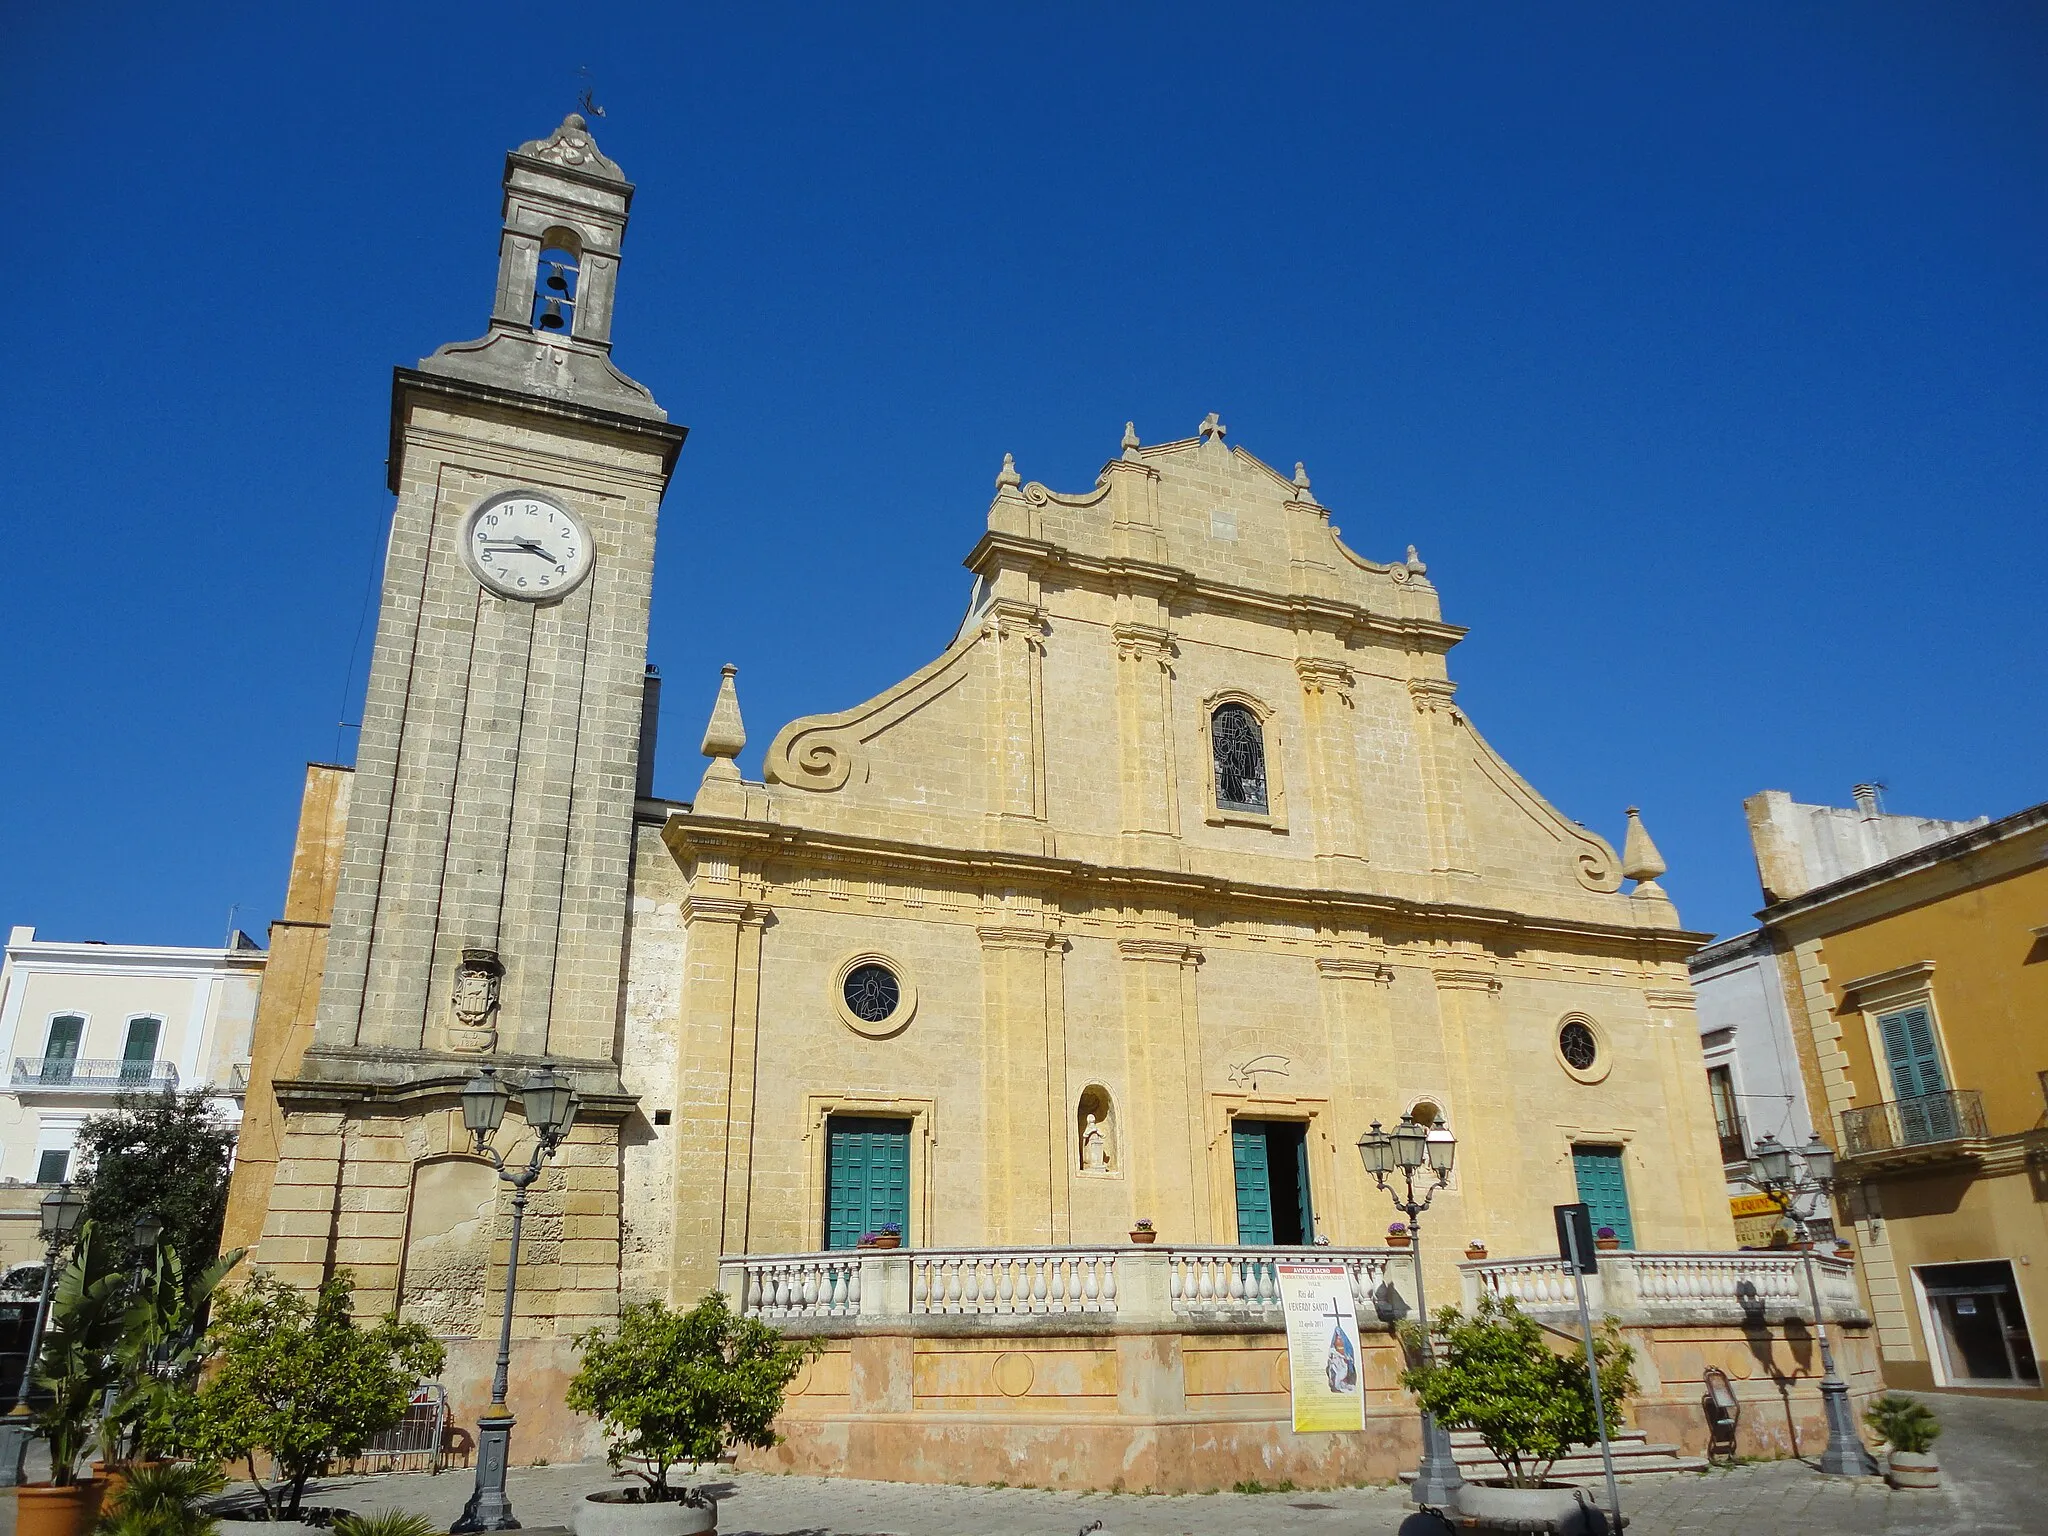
(549, 1103)
(62, 1209)
(1408, 1150)
(1789, 1178)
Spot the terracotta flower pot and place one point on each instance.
(887, 1240)
(1398, 1239)
(1143, 1235)
(1607, 1244)
(1475, 1251)
(52, 1509)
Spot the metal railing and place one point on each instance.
(238, 1077)
(1925, 1120)
(74, 1075)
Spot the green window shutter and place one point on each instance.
(1604, 1189)
(138, 1055)
(1254, 1183)
(1910, 1051)
(867, 1179)
(65, 1030)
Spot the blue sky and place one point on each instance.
(1701, 351)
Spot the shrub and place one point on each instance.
(672, 1387)
(1903, 1424)
(77, 1365)
(385, 1522)
(164, 1499)
(297, 1377)
(164, 1153)
(1497, 1375)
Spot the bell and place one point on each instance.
(555, 279)
(551, 317)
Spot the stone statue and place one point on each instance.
(1094, 1148)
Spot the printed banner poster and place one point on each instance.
(1324, 1366)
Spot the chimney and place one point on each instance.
(650, 727)
(1867, 801)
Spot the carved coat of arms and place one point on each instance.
(475, 1001)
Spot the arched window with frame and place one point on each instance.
(1239, 746)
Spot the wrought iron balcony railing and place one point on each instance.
(1925, 1120)
(71, 1075)
(1734, 1145)
(238, 1077)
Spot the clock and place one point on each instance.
(526, 546)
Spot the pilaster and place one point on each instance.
(1024, 1076)
(1164, 1070)
(1328, 711)
(1145, 709)
(1437, 722)
(1016, 791)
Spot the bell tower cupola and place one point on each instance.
(565, 212)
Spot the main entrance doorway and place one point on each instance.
(1270, 1159)
(867, 1178)
(1980, 1333)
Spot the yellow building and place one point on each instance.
(1912, 955)
(1177, 868)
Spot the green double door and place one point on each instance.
(1270, 1161)
(1603, 1189)
(867, 1178)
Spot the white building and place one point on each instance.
(84, 1021)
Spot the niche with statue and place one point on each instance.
(1095, 1121)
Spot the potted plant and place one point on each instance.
(1496, 1374)
(1475, 1250)
(1607, 1240)
(889, 1235)
(1398, 1235)
(156, 1362)
(297, 1377)
(1910, 1429)
(75, 1367)
(163, 1498)
(673, 1387)
(1143, 1233)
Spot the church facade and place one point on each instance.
(1173, 872)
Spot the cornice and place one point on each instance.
(1901, 882)
(1339, 968)
(696, 908)
(1110, 572)
(1111, 885)
(404, 381)
(1001, 936)
(353, 1077)
(1461, 979)
(1166, 951)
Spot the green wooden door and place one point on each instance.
(1604, 1190)
(1918, 1083)
(867, 1178)
(1254, 1182)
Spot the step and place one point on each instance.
(1635, 1458)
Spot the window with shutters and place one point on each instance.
(1919, 1085)
(138, 1052)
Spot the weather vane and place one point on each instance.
(588, 99)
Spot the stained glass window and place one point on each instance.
(1578, 1045)
(872, 992)
(1240, 749)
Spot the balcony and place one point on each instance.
(1925, 1123)
(1649, 1288)
(67, 1074)
(1734, 1144)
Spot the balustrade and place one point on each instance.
(1653, 1285)
(1014, 1281)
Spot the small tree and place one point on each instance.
(1496, 1374)
(296, 1376)
(674, 1387)
(165, 1154)
(77, 1364)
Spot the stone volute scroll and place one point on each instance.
(474, 1001)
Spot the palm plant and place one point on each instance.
(77, 1364)
(164, 1499)
(1903, 1424)
(160, 1352)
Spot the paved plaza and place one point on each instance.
(1994, 1455)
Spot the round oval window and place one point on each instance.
(871, 992)
(1575, 1041)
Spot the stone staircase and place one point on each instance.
(1634, 1458)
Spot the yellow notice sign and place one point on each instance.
(1756, 1218)
(1324, 1368)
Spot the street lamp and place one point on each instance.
(548, 1101)
(1772, 1170)
(62, 1210)
(1408, 1150)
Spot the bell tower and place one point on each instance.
(480, 903)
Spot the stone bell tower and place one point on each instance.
(479, 907)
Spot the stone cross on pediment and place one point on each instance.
(1212, 429)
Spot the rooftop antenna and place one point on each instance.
(588, 99)
(229, 942)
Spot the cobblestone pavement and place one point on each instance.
(1994, 1457)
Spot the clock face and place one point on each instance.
(523, 545)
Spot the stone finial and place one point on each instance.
(1415, 565)
(1131, 443)
(572, 146)
(1640, 860)
(1212, 429)
(1301, 487)
(1007, 478)
(725, 737)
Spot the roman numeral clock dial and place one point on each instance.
(526, 546)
